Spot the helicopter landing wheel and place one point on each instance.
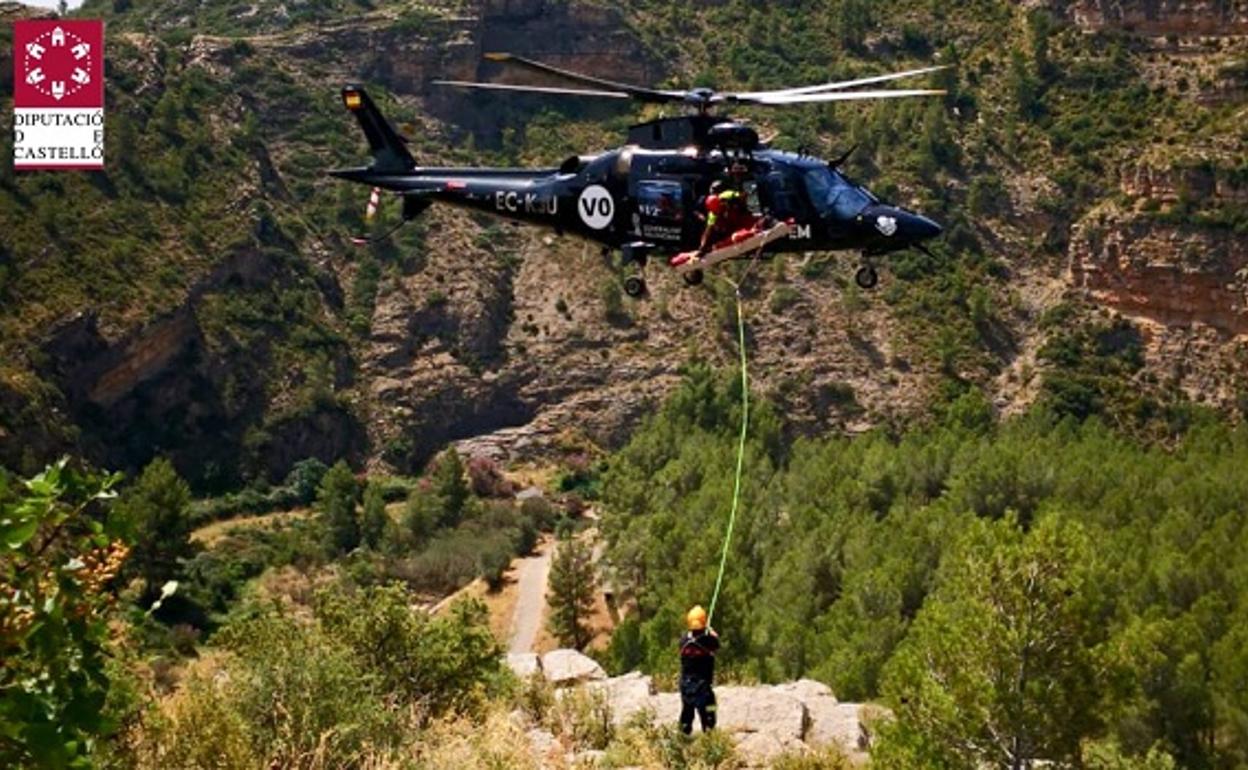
(693, 278)
(866, 277)
(634, 286)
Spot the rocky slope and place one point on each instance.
(268, 337)
(1163, 17)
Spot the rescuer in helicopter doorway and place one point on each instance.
(727, 211)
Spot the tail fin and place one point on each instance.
(389, 152)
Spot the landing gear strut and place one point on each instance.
(638, 254)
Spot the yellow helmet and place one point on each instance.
(696, 618)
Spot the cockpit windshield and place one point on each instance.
(832, 193)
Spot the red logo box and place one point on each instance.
(58, 63)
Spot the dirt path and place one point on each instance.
(530, 610)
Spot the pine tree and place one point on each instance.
(998, 669)
(335, 500)
(153, 512)
(1023, 86)
(450, 484)
(373, 521)
(571, 593)
(420, 518)
(1039, 29)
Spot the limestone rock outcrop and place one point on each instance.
(765, 721)
(1163, 17)
(569, 667)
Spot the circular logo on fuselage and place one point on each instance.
(596, 207)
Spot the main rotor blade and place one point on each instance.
(846, 83)
(533, 89)
(636, 92)
(836, 96)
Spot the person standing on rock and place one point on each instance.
(697, 671)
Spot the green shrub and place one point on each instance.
(583, 716)
(613, 304)
(492, 563)
(61, 552)
(827, 758)
(536, 697)
(439, 663)
(303, 692)
(987, 196)
(305, 477)
(201, 729)
(420, 517)
(453, 559)
(539, 511)
(782, 298)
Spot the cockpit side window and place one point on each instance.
(780, 197)
(831, 193)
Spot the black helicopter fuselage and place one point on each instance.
(649, 199)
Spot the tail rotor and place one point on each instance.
(370, 213)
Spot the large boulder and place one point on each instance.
(762, 749)
(627, 695)
(524, 664)
(568, 667)
(835, 723)
(806, 690)
(761, 710)
(666, 706)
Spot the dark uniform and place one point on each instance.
(697, 673)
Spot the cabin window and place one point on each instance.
(661, 200)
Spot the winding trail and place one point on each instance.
(526, 620)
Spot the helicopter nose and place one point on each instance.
(898, 227)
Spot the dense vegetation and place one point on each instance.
(107, 595)
(1039, 588)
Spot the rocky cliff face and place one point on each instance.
(1166, 261)
(1173, 275)
(1197, 48)
(1163, 17)
(171, 384)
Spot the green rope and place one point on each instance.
(745, 424)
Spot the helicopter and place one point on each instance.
(646, 197)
